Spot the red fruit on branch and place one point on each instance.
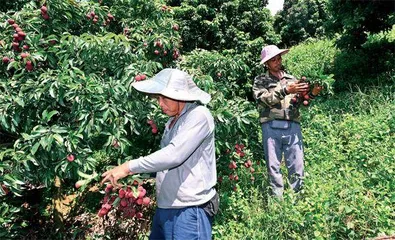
(18, 29)
(139, 201)
(305, 102)
(247, 164)
(11, 21)
(121, 193)
(139, 215)
(306, 97)
(137, 77)
(142, 192)
(21, 35)
(220, 179)
(70, 157)
(156, 52)
(124, 202)
(176, 27)
(106, 206)
(303, 79)
(232, 165)
(108, 190)
(143, 77)
(6, 60)
(5, 189)
(154, 130)
(44, 9)
(115, 143)
(29, 67)
(219, 74)
(24, 55)
(15, 26)
(240, 153)
(110, 16)
(102, 212)
(45, 16)
(79, 183)
(146, 201)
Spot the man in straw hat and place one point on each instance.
(276, 92)
(185, 165)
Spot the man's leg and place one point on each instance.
(293, 155)
(272, 148)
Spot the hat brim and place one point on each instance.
(281, 52)
(152, 86)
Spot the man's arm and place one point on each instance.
(193, 132)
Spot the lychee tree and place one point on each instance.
(65, 82)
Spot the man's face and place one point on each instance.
(169, 106)
(274, 63)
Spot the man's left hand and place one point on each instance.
(317, 89)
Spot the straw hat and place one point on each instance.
(270, 51)
(174, 84)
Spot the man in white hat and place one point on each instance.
(185, 165)
(276, 93)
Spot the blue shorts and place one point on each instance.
(183, 223)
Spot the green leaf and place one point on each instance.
(58, 138)
(34, 149)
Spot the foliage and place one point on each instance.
(356, 19)
(216, 25)
(301, 20)
(313, 60)
(364, 66)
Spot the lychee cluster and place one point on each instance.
(18, 41)
(129, 202)
(301, 98)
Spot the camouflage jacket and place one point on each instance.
(273, 102)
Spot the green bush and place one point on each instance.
(314, 60)
(364, 66)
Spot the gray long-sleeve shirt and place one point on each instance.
(185, 164)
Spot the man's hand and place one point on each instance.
(316, 90)
(113, 175)
(298, 87)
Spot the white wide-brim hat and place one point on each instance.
(174, 84)
(271, 51)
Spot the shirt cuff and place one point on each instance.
(284, 92)
(311, 95)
